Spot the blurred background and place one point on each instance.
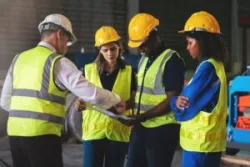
(19, 20)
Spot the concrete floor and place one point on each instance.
(72, 155)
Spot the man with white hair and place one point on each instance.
(34, 94)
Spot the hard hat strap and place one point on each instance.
(199, 29)
(54, 27)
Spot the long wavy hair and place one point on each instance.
(211, 45)
(100, 61)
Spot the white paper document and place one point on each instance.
(112, 115)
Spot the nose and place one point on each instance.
(66, 48)
(187, 47)
(109, 52)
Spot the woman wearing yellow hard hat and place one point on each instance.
(106, 139)
(202, 106)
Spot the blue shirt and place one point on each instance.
(202, 92)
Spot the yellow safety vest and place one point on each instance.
(97, 125)
(206, 132)
(37, 105)
(152, 92)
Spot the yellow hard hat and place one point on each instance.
(106, 34)
(140, 27)
(202, 21)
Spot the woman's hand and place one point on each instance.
(182, 102)
(120, 107)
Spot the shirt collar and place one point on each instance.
(47, 45)
(157, 52)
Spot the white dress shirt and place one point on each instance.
(67, 76)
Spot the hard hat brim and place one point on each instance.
(181, 31)
(108, 41)
(185, 32)
(72, 40)
(133, 44)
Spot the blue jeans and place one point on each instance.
(198, 159)
(153, 147)
(104, 151)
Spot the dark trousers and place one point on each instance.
(104, 151)
(153, 147)
(39, 151)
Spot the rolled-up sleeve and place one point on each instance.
(72, 79)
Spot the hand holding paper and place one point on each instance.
(120, 107)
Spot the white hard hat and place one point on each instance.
(61, 21)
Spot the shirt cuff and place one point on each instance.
(172, 104)
(113, 101)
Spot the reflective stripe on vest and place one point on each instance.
(206, 132)
(42, 94)
(97, 125)
(158, 84)
(202, 136)
(36, 115)
(158, 89)
(39, 94)
(36, 106)
(150, 91)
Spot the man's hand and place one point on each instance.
(80, 105)
(120, 107)
(182, 102)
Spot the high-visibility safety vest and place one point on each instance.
(150, 89)
(37, 105)
(97, 125)
(206, 132)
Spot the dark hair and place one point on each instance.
(211, 45)
(100, 61)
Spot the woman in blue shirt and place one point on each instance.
(202, 106)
